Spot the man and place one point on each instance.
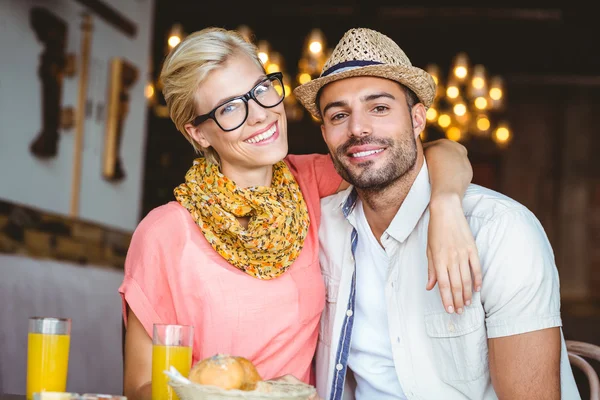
(383, 336)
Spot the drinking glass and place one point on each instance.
(171, 347)
(47, 354)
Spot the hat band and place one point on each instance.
(348, 65)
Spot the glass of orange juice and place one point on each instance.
(171, 347)
(47, 354)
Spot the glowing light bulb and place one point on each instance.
(460, 109)
(460, 72)
(174, 40)
(483, 124)
(481, 103)
(304, 78)
(452, 92)
(149, 91)
(502, 134)
(315, 47)
(431, 114)
(454, 134)
(444, 120)
(496, 93)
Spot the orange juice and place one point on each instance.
(47, 363)
(163, 357)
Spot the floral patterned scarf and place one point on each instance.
(278, 217)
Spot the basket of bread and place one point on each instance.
(230, 377)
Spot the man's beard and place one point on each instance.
(401, 157)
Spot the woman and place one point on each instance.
(236, 255)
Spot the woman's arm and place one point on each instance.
(137, 383)
(451, 250)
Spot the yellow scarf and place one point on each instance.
(278, 217)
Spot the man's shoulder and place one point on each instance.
(486, 205)
(492, 216)
(481, 206)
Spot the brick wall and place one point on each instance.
(35, 233)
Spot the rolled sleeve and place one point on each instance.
(134, 297)
(520, 291)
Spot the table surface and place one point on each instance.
(12, 397)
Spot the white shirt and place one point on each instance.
(439, 355)
(371, 359)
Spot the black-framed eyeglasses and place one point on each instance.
(230, 115)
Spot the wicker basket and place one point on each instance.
(265, 390)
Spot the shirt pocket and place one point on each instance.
(459, 343)
(328, 317)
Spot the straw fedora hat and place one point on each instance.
(365, 52)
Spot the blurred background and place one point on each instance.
(87, 148)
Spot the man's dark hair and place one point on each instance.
(411, 97)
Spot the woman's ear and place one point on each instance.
(419, 118)
(198, 135)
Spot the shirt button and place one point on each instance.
(398, 339)
(349, 313)
(339, 367)
(451, 327)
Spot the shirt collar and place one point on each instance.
(349, 201)
(411, 210)
(413, 207)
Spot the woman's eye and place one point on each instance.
(228, 108)
(262, 88)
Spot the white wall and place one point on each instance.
(46, 184)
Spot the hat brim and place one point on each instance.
(416, 79)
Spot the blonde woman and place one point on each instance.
(236, 255)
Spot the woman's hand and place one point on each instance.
(451, 251)
(452, 254)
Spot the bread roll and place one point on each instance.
(225, 371)
(251, 375)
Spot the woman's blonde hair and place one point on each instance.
(186, 67)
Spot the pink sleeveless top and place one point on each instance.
(173, 275)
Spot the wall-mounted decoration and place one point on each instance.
(122, 77)
(111, 16)
(80, 111)
(54, 65)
